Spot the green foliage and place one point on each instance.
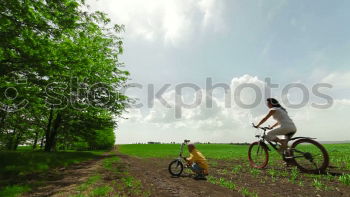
(14, 190)
(230, 185)
(222, 171)
(101, 191)
(213, 163)
(65, 63)
(339, 155)
(255, 172)
(89, 182)
(301, 183)
(126, 184)
(245, 192)
(237, 169)
(222, 182)
(294, 174)
(104, 139)
(79, 144)
(345, 179)
(318, 184)
(108, 163)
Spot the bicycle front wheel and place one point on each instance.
(309, 156)
(175, 167)
(258, 155)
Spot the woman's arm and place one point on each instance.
(266, 117)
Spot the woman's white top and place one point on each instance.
(282, 117)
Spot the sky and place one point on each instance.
(232, 42)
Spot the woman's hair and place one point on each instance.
(275, 103)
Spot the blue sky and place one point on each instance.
(258, 38)
(177, 41)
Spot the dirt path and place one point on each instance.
(155, 176)
(273, 181)
(152, 173)
(156, 181)
(63, 180)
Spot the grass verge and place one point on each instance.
(16, 166)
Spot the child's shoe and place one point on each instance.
(200, 177)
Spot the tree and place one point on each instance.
(69, 60)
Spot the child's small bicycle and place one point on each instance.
(177, 165)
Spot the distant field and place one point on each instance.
(216, 151)
(339, 153)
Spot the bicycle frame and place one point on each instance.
(182, 149)
(263, 141)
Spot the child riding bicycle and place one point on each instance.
(197, 163)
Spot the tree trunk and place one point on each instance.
(48, 131)
(17, 141)
(2, 120)
(42, 142)
(35, 140)
(11, 140)
(56, 125)
(51, 138)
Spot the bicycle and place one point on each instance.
(176, 166)
(307, 154)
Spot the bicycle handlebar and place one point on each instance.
(262, 128)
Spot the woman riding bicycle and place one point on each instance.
(286, 124)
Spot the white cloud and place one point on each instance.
(132, 115)
(340, 80)
(161, 114)
(213, 14)
(172, 21)
(222, 124)
(215, 117)
(324, 124)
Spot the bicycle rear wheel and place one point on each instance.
(176, 167)
(309, 156)
(258, 155)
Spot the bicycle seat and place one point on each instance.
(289, 135)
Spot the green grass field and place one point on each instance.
(339, 153)
(216, 151)
(17, 164)
(229, 168)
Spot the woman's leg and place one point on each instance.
(272, 136)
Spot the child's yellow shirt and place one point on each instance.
(197, 157)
